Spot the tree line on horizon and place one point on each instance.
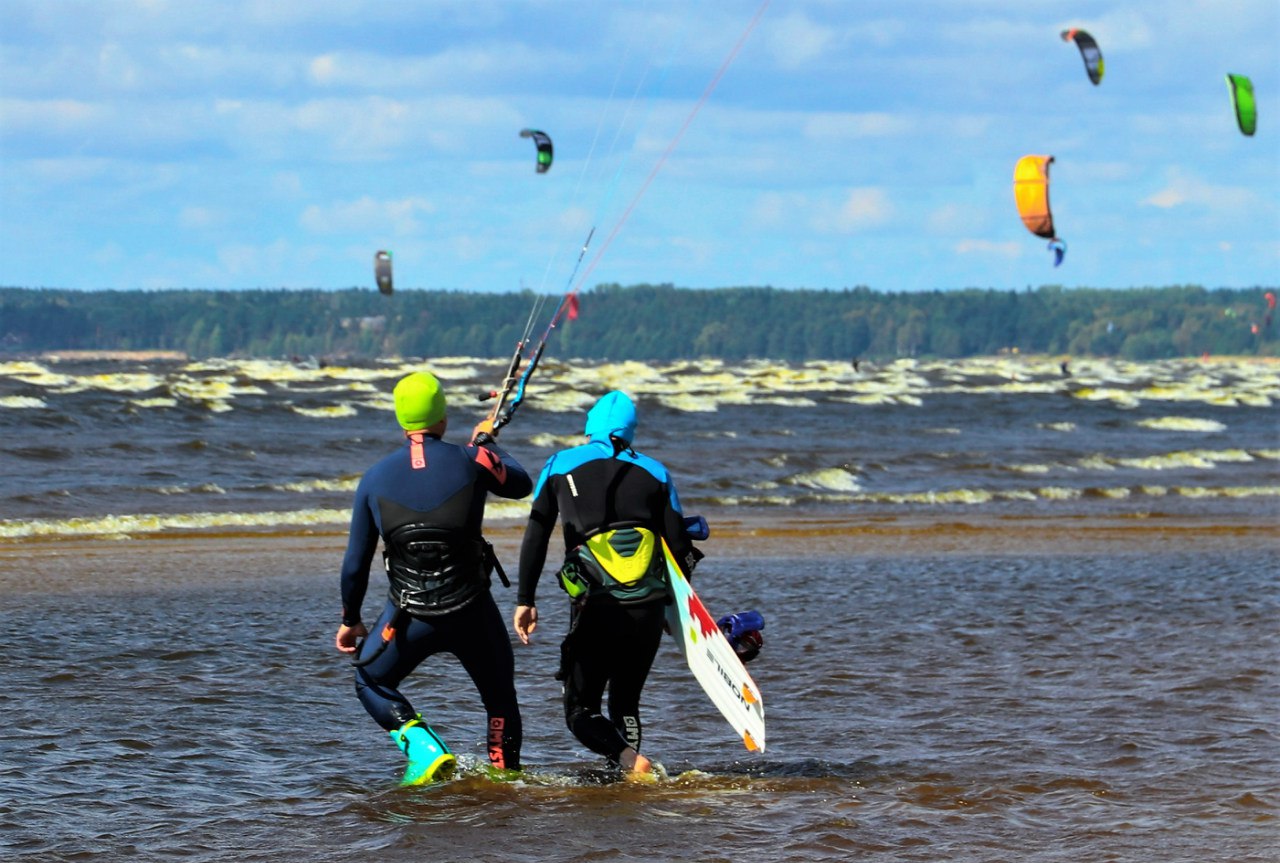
(646, 322)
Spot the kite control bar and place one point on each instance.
(512, 394)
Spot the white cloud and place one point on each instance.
(198, 217)
(1167, 199)
(323, 69)
(471, 248)
(117, 129)
(263, 263)
(575, 220)
(448, 71)
(880, 33)
(1096, 173)
(859, 209)
(862, 208)
(74, 169)
(829, 126)
(950, 218)
(367, 215)
(240, 258)
(988, 247)
(1183, 190)
(34, 115)
(360, 128)
(116, 67)
(995, 31)
(966, 126)
(366, 128)
(769, 210)
(693, 250)
(286, 184)
(108, 254)
(796, 40)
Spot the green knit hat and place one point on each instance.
(419, 401)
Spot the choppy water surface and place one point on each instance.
(135, 448)
(939, 683)
(174, 702)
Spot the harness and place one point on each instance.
(431, 571)
(624, 563)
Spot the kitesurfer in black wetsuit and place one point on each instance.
(616, 505)
(426, 501)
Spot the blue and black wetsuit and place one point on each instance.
(438, 566)
(605, 490)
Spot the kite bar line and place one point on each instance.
(614, 182)
(508, 402)
(503, 411)
(509, 379)
(675, 141)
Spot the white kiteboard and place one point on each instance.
(713, 660)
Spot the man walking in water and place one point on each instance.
(426, 501)
(617, 505)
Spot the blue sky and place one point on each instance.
(280, 143)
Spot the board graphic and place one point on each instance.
(713, 660)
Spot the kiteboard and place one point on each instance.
(712, 659)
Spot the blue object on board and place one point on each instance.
(734, 625)
(696, 527)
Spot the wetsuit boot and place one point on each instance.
(429, 759)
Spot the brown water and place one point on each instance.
(957, 690)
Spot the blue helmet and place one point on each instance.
(613, 416)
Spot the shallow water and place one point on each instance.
(181, 700)
(1012, 615)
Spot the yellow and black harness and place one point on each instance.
(624, 563)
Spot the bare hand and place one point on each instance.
(485, 426)
(525, 621)
(349, 636)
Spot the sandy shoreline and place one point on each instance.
(46, 564)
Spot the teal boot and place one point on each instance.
(429, 759)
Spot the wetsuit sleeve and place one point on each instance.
(362, 542)
(504, 476)
(674, 532)
(537, 534)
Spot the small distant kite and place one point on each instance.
(1088, 51)
(1242, 98)
(1031, 194)
(543, 141)
(382, 271)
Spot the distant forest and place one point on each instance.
(647, 322)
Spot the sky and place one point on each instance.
(815, 144)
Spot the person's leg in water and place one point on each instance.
(397, 644)
(480, 641)
(599, 633)
(631, 670)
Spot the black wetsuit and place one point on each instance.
(613, 637)
(429, 520)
